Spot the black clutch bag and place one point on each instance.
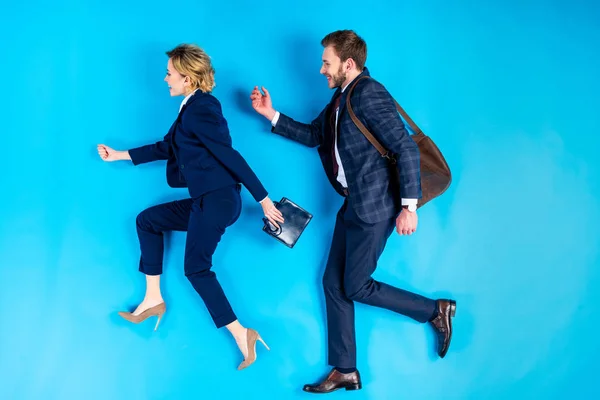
(296, 219)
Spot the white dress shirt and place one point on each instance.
(185, 100)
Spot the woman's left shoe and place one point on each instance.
(251, 338)
(158, 310)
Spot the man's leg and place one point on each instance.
(340, 309)
(364, 245)
(340, 319)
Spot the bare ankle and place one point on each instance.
(237, 330)
(153, 300)
(241, 335)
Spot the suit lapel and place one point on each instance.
(330, 117)
(338, 90)
(172, 131)
(342, 105)
(190, 101)
(345, 95)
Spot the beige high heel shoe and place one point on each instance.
(158, 310)
(251, 338)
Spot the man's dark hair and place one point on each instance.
(347, 44)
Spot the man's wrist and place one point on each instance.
(410, 207)
(409, 204)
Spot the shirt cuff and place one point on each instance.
(408, 202)
(263, 199)
(275, 118)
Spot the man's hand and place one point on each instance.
(262, 103)
(406, 223)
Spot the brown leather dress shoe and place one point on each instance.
(442, 324)
(334, 381)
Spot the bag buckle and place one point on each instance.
(390, 157)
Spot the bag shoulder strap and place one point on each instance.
(365, 131)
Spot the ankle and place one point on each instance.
(435, 312)
(237, 330)
(153, 300)
(241, 335)
(346, 370)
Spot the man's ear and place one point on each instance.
(350, 64)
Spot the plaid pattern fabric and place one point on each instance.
(372, 189)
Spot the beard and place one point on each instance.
(339, 79)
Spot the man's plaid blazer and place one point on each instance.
(372, 191)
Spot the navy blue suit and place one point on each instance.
(368, 215)
(199, 156)
(198, 151)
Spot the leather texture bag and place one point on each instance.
(296, 220)
(435, 173)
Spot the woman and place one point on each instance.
(200, 157)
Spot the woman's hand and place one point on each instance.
(108, 154)
(271, 212)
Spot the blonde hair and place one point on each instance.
(190, 60)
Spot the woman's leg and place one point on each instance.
(153, 295)
(240, 335)
(209, 218)
(211, 214)
(151, 224)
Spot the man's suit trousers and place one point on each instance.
(355, 249)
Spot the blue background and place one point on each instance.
(508, 91)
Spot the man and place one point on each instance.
(374, 202)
